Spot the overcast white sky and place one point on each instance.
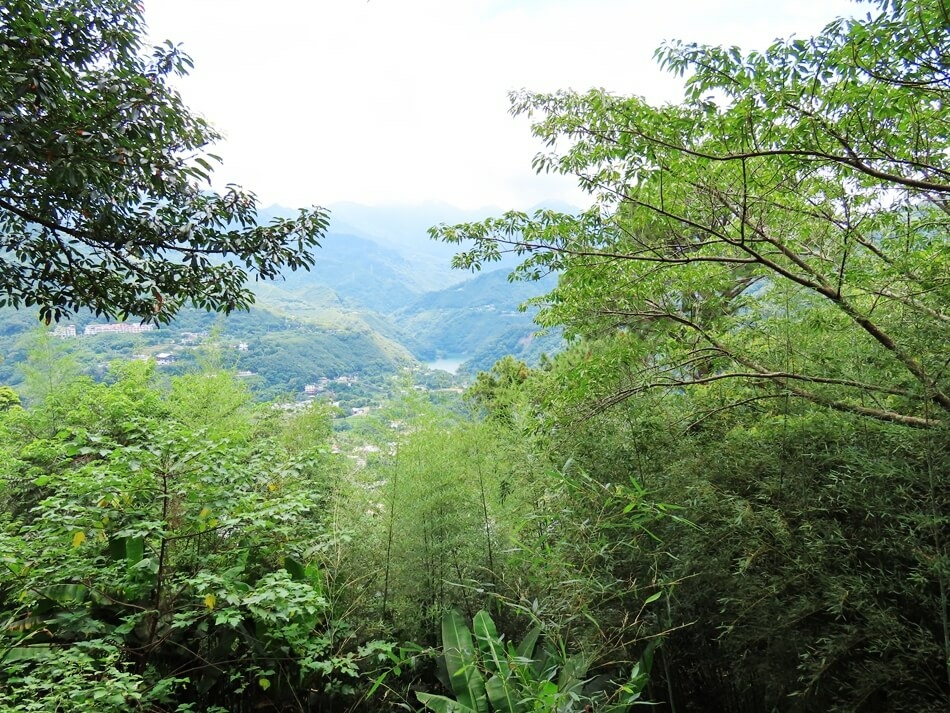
(405, 101)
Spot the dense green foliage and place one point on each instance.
(283, 354)
(448, 513)
(494, 675)
(813, 574)
(793, 193)
(103, 173)
(731, 492)
(181, 547)
(167, 547)
(758, 305)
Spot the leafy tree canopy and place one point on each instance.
(104, 197)
(783, 227)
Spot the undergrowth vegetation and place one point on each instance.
(730, 492)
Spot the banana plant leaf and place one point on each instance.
(493, 653)
(441, 704)
(467, 681)
(503, 696)
(525, 649)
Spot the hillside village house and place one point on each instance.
(117, 328)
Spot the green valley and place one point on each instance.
(362, 311)
(684, 450)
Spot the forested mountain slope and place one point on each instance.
(362, 309)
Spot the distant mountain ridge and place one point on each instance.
(386, 271)
(381, 296)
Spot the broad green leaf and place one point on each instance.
(493, 653)
(34, 652)
(66, 593)
(134, 550)
(525, 649)
(295, 568)
(503, 695)
(461, 663)
(441, 704)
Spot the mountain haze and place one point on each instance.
(386, 273)
(381, 296)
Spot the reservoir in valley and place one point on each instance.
(449, 364)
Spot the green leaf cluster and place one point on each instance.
(498, 676)
(792, 195)
(105, 198)
(167, 546)
(758, 308)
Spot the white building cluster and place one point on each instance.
(115, 328)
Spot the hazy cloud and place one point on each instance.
(398, 101)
